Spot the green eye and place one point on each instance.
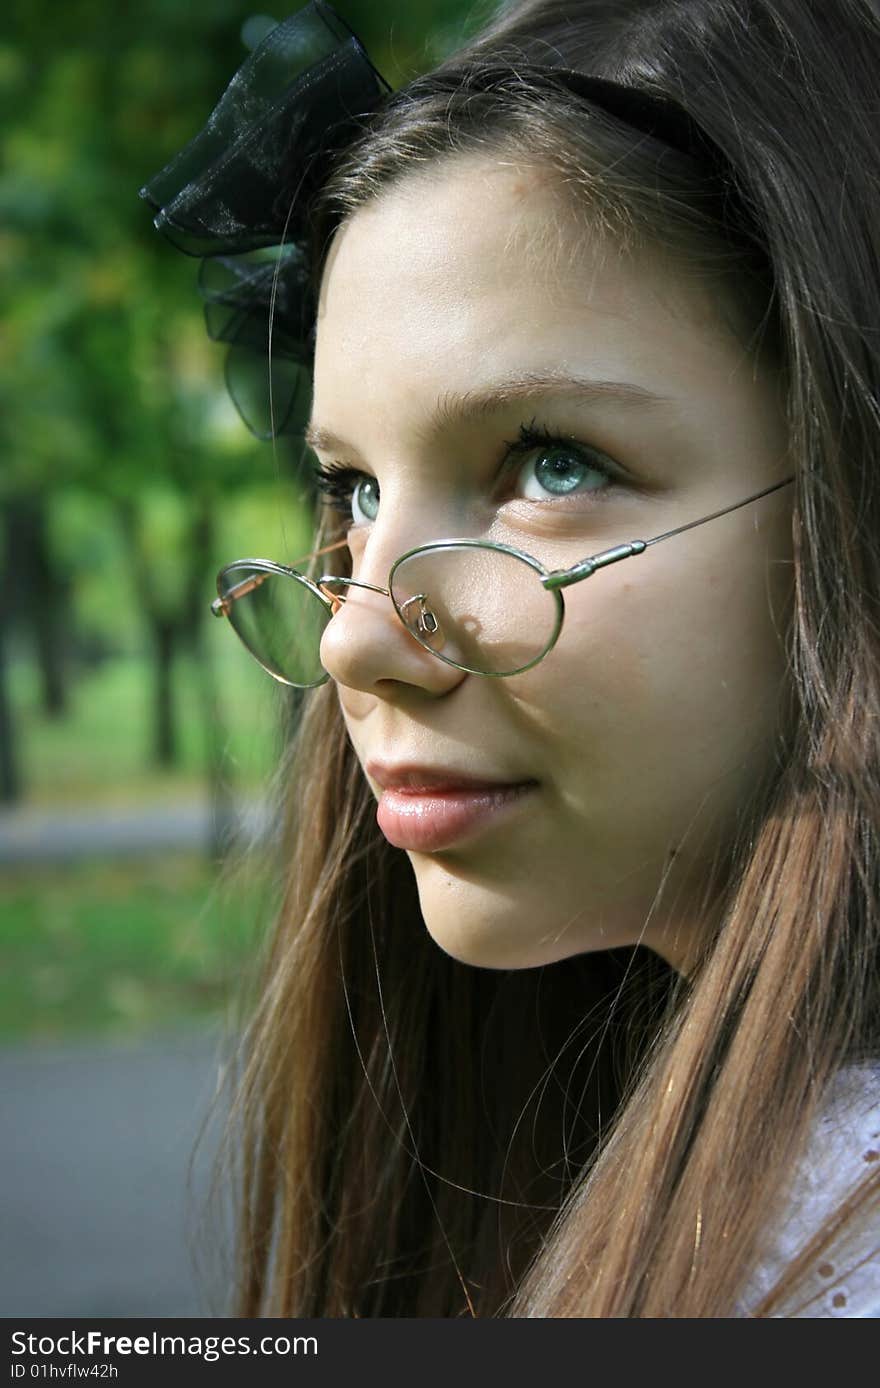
(559, 471)
(365, 500)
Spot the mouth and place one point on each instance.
(426, 810)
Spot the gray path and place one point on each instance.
(31, 836)
(96, 1142)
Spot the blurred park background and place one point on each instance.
(134, 731)
(126, 480)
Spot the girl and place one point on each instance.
(570, 1008)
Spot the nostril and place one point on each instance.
(367, 647)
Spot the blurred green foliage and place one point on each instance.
(121, 948)
(99, 752)
(126, 479)
(107, 377)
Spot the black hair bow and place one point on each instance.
(238, 195)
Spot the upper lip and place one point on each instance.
(413, 776)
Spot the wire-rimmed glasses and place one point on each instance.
(484, 607)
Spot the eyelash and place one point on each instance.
(337, 482)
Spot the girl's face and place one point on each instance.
(489, 371)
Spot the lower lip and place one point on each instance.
(429, 821)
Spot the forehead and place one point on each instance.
(485, 266)
(463, 227)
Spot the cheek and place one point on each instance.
(664, 689)
(355, 706)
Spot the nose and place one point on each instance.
(366, 646)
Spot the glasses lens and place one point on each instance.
(480, 608)
(280, 620)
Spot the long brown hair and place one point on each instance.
(599, 1137)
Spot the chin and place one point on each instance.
(482, 953)
(485, 924)
(474, 933)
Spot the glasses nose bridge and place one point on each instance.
(333, 586)
(372, 645)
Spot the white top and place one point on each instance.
(844, 1148)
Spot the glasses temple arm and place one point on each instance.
(723, 512)
(221, 606)
(313, 554)
(563, 578)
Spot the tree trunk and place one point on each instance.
(10, 780)
(37, 593)
(164, 638)
(224, 825)
(199, 582)
(184, 628)
(164, 732)
(49, 637)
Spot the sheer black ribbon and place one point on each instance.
(238, 195)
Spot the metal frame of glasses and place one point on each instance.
(415, 610)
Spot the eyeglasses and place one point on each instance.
(484, 607)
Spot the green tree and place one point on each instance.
(108, 387)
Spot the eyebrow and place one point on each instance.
(452, 409)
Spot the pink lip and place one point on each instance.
(427, 820)
(411, 776)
